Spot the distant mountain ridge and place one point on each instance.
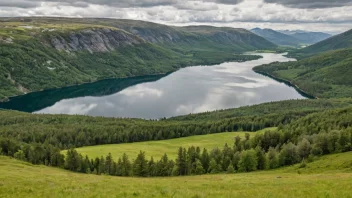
(276, 37)
(341, 41)
(323, 70)
(293, 38)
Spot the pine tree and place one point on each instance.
(205, 159)
(199, 167)
(181, 162)
(73, 160)
(101, 167)
(152, 169)
(126, 166)
(140, 165)
(108, 164)
(164, 166)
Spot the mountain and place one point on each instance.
(340, 41)
(326, 75)
(310, 37)
(293, 38)
(42, 53)
(291, 32)
(306, 37)
(276, 37)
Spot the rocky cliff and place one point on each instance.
(94, 40)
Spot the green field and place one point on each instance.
(158, 148)
(21, 179)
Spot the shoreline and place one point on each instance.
(8, 98)
(289, 83)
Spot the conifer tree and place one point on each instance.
(181, 162)
(140, 165)
(205, 159)
(126, 166)
(199, 167)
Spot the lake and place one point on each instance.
(188, 90)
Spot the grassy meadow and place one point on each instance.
(158, 148)
(21, 179)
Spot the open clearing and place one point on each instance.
(20, 179)
(159, 148)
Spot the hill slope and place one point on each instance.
(20, 179)
(311, 37)
(306, 37)
(42, 53)
(277, 37)
(340, 41)
(326, 75)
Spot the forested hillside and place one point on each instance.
(326, 75)
(340, 41)
(65, 131)
(298, 140)
(42, 53)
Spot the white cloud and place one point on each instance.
(274, 14)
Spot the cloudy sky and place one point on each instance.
(315, 15)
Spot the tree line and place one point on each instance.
(300, 140)
(64, 131)
(269, 150)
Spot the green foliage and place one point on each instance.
(248, 161)
(214, 167)
(230, 169)
(272, 158)
(340, 41)
(326, 75)
(66, 131)
(140, 165)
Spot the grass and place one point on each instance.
(20, 179)
(158, 148)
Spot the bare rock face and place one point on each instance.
(95, 40)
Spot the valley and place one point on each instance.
(64, 52)
(199, 89)
(103, 107)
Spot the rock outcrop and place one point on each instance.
(94, 40)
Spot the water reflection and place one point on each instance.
(189, 90)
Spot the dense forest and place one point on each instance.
(65, 131)
(326, 75)
(299, 141)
